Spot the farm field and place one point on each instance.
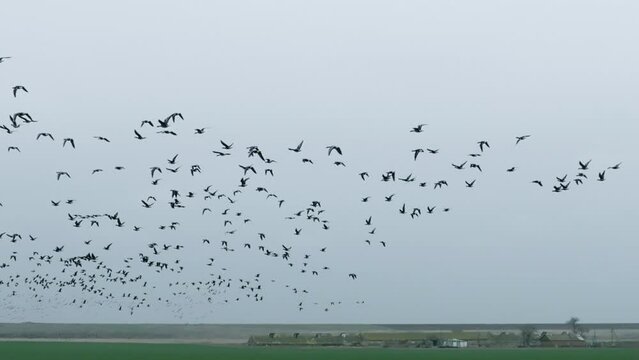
(109, 351)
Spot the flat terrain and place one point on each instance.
(110, 351)
(240, 333)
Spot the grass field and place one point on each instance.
(112, 351)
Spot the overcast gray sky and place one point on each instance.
(358, 74)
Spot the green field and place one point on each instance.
(112, 351)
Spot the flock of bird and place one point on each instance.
(92, 276)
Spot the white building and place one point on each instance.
(453, 343)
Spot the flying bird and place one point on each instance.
(521, 138)
(460, 166)
(138, 135)
(62, 173)
(335, 148)
(298, 148)
(226, 146)
(419, 128)
(70, 141)
(601, 176)
(584, 166)
(416, 152)
(17, 88)
(45, 135)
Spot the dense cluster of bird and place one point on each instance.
(91, 276)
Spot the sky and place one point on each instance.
(356, 74)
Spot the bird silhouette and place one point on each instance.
(298, 148)
(68, 141)
(521, 138)
(584, 166)
(18, 88)
(419, 128)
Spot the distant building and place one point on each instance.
(564, 339)
(297, 339)
(453, 343)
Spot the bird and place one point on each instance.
(584, 166)
(460, 166)
(68, 140)
(226, 146)
(248, 168)
(470, 184)
(298, 148)
(17, 88)
(615, 167)
(3, 58)
(138, 135)
(45, 135)
(601, 176)
(5, 128)
(416, 152)
(408, 178)
(62, 173)
(512, 169)
(102, 138)
(173, 116)
(168, 132)
(332, 148)
(538, 182)
(483, 143)
(419, 128)
(173, 159)
(521, 138)
(155, 169)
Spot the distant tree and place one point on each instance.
(528, 334)
(576, 327)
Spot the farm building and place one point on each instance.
(561, 340)
(425, 339)
(430, 338)
(297, 339)
(453, 343)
